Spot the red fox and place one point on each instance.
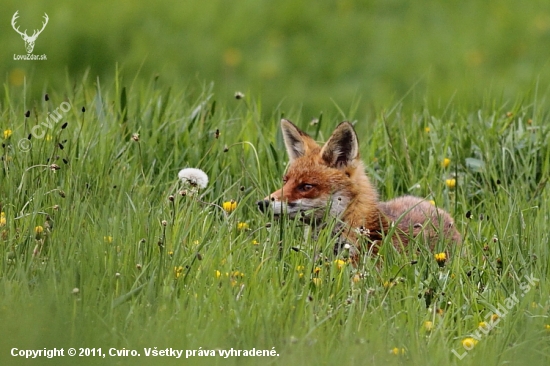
(331, 180)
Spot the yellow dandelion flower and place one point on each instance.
(428, 325)
(230, 206)
(432, 202)
(469, 343)
(427, 129)
(441, 258)
(242, 226)
(446, 162)
(340, 263)
(451, 183)
(178, 272)
(482, 325)
(317, 281)
(108, 239)
(237, 274)
(397, 351)
(7, 134)
(218, 274)
(255, 242)
(171, 253)
(38, 231)
(300, 268)
(317, 270)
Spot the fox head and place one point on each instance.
(320, 180)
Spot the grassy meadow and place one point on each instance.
(104, 248)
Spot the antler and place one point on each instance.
(35, 34)
(13, 19)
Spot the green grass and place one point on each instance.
(305, 54)
(122, 266)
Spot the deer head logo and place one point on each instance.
(29, 40)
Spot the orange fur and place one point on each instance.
(332, 177)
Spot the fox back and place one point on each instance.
(331, 179)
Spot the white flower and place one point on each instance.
(193, 176)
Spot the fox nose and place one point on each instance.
(263, 205)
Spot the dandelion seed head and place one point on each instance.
(194, 177)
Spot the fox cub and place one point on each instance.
(331, 180)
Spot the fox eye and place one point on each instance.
(305, 187)
(285, 179)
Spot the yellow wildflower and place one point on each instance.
(427, 129)
(237, 274)
(428, 325)
(469, 343)
(7, 134)
(2, 219)
(441, 258)
(547, 327)
(397, 351)
(218, 274)
(317, 281)
(340, 263)
(38, 230)
(255, 242)
(108, 239)
(432, 202)
(178, 271)
(451, 183)
(229, 206)
(446, 162)
(242, 226)
(356, 278)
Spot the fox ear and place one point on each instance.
(342, 147)
(297, 142)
